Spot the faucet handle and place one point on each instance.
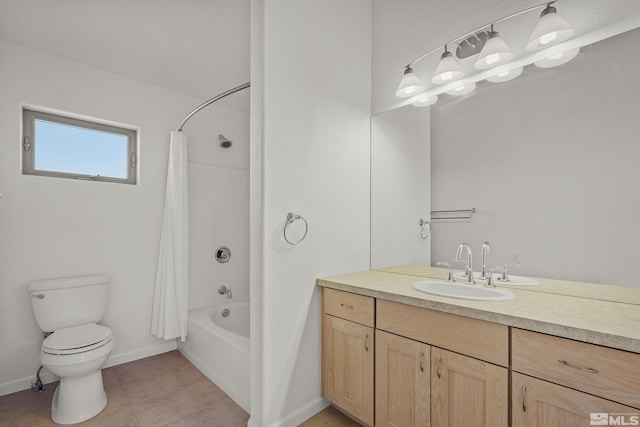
(446, 264)
(505, 277)
(490, 283)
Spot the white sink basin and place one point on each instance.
(463, 291)
(513, 280)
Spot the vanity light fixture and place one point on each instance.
(494, 53)
(550, 30)
(410, 84)
(558, 59)
(462, 89)
(505, 76)
(448, 69)
(425, 100)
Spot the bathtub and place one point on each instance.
(219, 347)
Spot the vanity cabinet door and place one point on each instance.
(467, 392)
(402, 381)
(538, 403)
(347, 366)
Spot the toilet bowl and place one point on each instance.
(76, 355)
(76, 347)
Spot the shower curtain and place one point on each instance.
(170, 301)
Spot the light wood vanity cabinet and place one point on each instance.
(464, 390)
(572, 380)
(467, 391)
(348, 353)
(417, 382)
(439, 369)
(402, 381)
(538, 403)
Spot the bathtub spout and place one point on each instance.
(224, 290)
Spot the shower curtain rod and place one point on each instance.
(211, 101)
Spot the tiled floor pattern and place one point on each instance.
(162, 390)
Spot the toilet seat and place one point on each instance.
(76, 339)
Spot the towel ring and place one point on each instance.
(422, 223)
(291, 218)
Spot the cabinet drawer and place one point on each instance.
(354, 307)
(477, 338)
(602, 371)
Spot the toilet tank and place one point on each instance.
(68, 301)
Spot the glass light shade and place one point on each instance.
(410, 84)
(447, 71)
(550, 30)
(425, 101)
(558, 59)
(462, 89)
(494, 53)
(505, 76)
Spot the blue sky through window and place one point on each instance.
(70, 149)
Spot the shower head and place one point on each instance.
(224, 142)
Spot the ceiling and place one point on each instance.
(196, 47)
(201, 47)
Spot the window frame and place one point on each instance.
(29, 145)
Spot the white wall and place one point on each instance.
(218, 204)
(400, 187)
(550, 160)
(51, 227)
(310, 152)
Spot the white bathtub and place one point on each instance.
(219, 347)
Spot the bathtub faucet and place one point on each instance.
(224, 290)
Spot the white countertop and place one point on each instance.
(580, 315)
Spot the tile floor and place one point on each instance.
(162, 390)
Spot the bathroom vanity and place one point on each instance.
(553, 356)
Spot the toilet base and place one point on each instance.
(78, 398)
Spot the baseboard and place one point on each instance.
(299, 416)
(141, 353)
(303, 414)
(47, 377)
(25, 383)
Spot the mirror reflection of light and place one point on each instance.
(462, 90)
(425, 101)
(558, 59)
(505, 76)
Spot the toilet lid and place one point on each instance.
(76, 339)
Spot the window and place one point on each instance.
(65, 147)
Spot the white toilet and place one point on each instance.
(77, 347)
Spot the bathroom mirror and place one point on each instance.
(549, 161)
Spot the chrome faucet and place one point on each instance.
(486, 250)
(224, 290)
(470, 278)
(446, 264)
